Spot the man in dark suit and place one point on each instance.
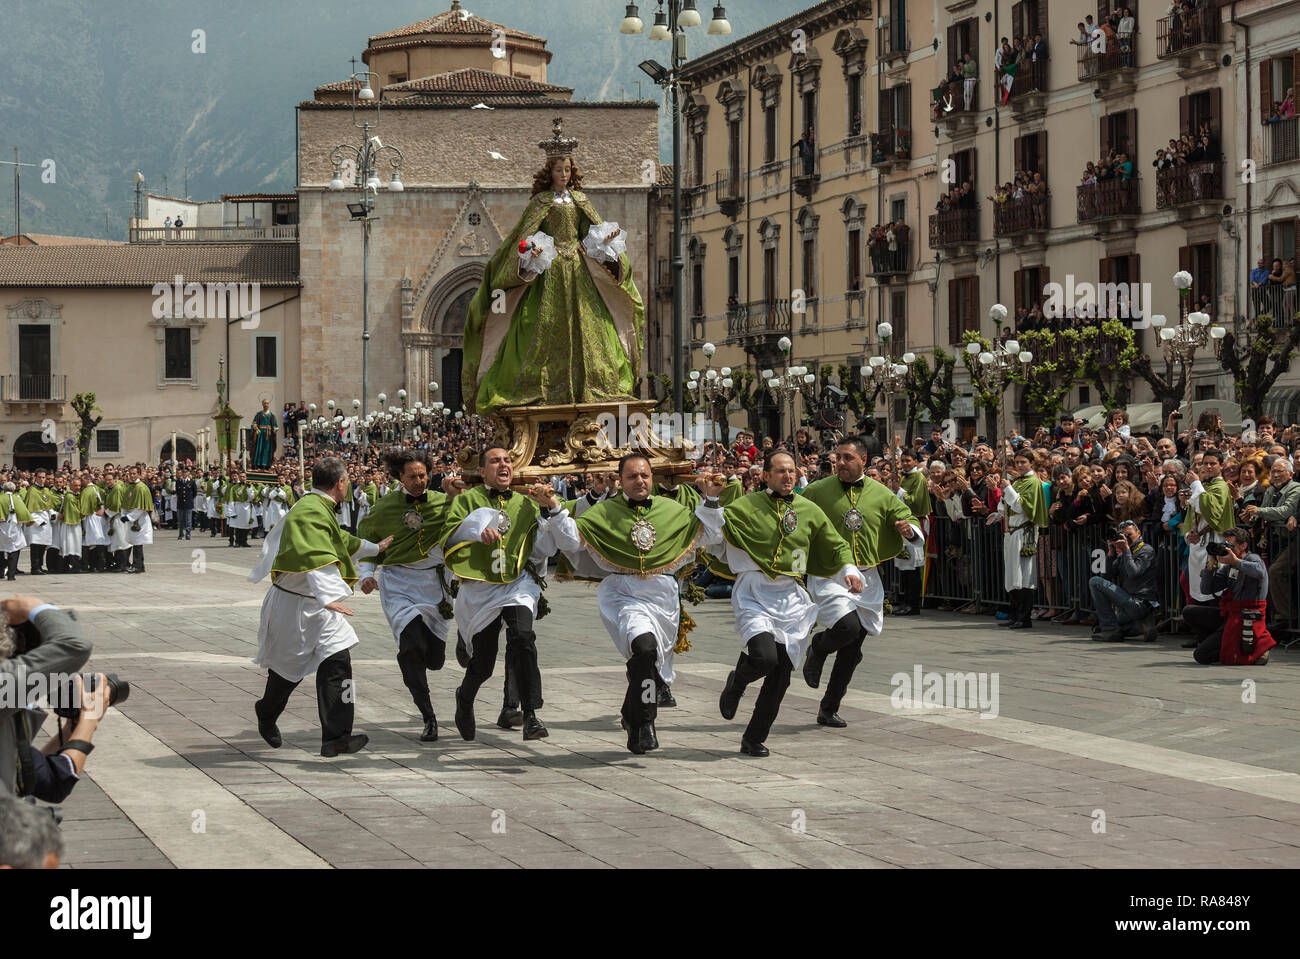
(186, 490)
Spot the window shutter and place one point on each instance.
(1266, 245)
(1018, 18)
(1131, 135)
(954, 312)
(1184, 114)
(1105, 135)
(1018, 281)
(1185, 258)
(1018, 152)
(953, 49)
(904, 118)
(1265, 88)
(1213, 291)
(1040, 17)
(1216, 112)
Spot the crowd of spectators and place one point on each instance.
(887, 246)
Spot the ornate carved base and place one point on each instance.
(547, 441)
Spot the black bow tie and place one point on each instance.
(501, 493)
(422, 498)
(638, 503)
(787, 498)
(856, 484)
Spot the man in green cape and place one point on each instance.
(114, 508)
(41, 504)
(70, 533)
(497, 543)
(910, 563)
(1023, 509)
(303, 625)
(640, 541)
(410, 571)
(14, 517)
(1210, 514)
(877, 524)
(94, 527)
(139, 519)
(772, 539)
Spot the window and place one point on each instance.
(769, 134)
(1206, 391)
(964, 38)
(733, 279)
(855, 260)
(697, 288)
(898, 209)
(964, 161)
(733, 155)
(1031, 153)
(1198, 260)
(809, 109)
(809, 267)
(697, 158)
(1119, 133)
(33, 355)
(1276, 76)
(769, 274)
(895, 111)
(1030, 17)
(1085, 396)
(266, 362)
(176, 354)
(1278, 240)
(855, 104)
(1198, 109)
(1029, 284)
(963, 306)
(1119, 271)
(108, 441)
(898, 320)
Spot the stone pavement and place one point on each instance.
(1098, 755)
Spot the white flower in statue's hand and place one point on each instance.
(536, 252)
(605, 241)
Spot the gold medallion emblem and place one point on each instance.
(503, 522)
(412, 519)
(643, 535)
(853, 520)
(790, 521)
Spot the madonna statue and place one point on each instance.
(557, 318)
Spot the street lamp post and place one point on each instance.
(363, 162)
(787, 384)
(1182, 342)
(998, 366)
(889, 377)
(713, 388)
(681, 13)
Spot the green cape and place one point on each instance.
(1032, 503)
(115, 497)
(917, 492)
(1215, 509)
(606, 529)
(310, 538)
(70, 510)
(475, 559)
(20, 508)
(139, 497)
(89, 501)
(878, 539)
(409, 545)
(753, 523)
(39, 498)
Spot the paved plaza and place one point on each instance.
(1099, 755)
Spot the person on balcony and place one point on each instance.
(806, 149)
(1258, 281)
(1126, 27)
(969, 74)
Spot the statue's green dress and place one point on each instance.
(572, 334)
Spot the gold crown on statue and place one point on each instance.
(558, 145)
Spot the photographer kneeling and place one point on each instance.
(39, 640)
(1234, 634)
(1127, 605)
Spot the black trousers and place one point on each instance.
(38, 556)
(910, 581)
(241, 537)
(123, 558)
(9, 564)
(1206, 623)
(418, 649)
(1022, 605)
(766, 659)
(640, 705)
(53, 560)
(137, 558)
(333, 678)
(521, 657)
(845, 640)
(98, 558)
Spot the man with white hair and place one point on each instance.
(29, 836)
(1278, 510)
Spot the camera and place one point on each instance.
(1218, 549)
(65, 693)
(1113, 534)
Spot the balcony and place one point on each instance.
(728, 188)
(891, 149)
(1029, 92)
(33, 394)
(284, 233)
(951, 112)
(1111, 202)
(1114, 72)
(805, 173)
(1272, 300)
(956, 231)
(1193, 41)
(1195, 190)
(893, 47)
(758, 323)
(1281, 144)
(886, 263)
(1024, 221)
(664, 278)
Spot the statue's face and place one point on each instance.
(561, 170)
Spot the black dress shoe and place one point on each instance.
(753, 749)
(38, 572)
(812, 667)
(729, 701)
(1190, 643)
(430, 734)
(347, 744)
(646, 738)
(462, 654)
(464, 717)
(510, 718)
(664, 697)
(533, 727)
(267, 729)
(634, 744)
(830, 719)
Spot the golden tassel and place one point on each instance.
(683, 645)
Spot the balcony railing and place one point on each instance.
(805, 171)
(727, 188)
(890, 145)
(951, 227)
(1276, 301)
(892, 43)
(758, 318)
(1029, 78)
(1281, 144)
(1108, 198)
(1177, 35)
(1108, 349)
(1116, 58)
(1193, 183)
(1026, 215)
(41, 387)
(952, 104)
(885, 261)
(213, 234)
